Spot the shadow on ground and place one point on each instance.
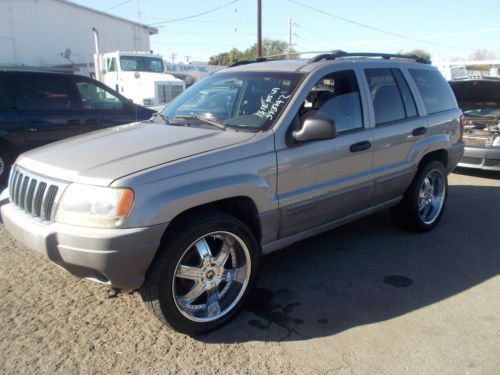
(370, 271)
(478, 173)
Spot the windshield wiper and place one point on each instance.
(203, 119)
(161, 117)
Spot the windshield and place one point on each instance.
(141, 64)
(250, 100)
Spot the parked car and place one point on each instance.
(185, 207)
(37, 108)
(480, 100)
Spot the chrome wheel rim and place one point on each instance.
(211, 276)
(431, 196)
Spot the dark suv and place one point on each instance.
(37, 108)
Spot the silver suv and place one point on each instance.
(245, 162)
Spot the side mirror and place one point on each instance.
(315, 129)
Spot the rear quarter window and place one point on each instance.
(434, 89)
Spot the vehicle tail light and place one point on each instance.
(462, 127)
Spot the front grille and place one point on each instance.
(168, 91)
(492, 163)
(35, 195)
(471, 160)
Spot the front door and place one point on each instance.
(323, 181)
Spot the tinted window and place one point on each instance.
(95, 97)
(44, 92)
(408, 100)
(6, 100)
(335, 96)
(387, 101)
(434, 90)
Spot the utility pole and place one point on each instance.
(259, 28)
(173, 56)
(187, 58)
(289, 36)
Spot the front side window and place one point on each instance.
(45, 93)
(95, 97)
(111, 65)
(386, 97)
(434, 89)
(336, 97)
(249, 101)
(141, 64)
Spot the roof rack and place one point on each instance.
(244, 62)
(337, 54)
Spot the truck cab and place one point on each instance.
(138, 76)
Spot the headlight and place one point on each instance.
(94, 206)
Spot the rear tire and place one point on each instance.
(202, 274)
(424, 202)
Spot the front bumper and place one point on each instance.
(117, 257)
(481, 158)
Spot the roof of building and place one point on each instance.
(151, 30)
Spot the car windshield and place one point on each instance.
(141, 64)
(245, 101)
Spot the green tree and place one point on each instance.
(422, 53)
(269, 48)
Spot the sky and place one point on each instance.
(446, 29)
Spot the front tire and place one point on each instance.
(5, 162)
(202, 274)
(424, 202)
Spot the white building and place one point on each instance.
(41, 33)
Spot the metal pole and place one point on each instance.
(97, 60)
(289, 36)
(259, 28)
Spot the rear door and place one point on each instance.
(323, 181)
(397, 127)
(48, 108)
(11, 134)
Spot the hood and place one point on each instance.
(101, 157)
(477, 93)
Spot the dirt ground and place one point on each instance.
(366, 298)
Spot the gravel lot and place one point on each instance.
(366, 298)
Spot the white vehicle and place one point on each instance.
(451, 72)
(138, 76)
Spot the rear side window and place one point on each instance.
(6, 99)
(385, 94)
(408, 100)
(45, 92)
(434, 90)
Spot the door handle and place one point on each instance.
(360, 146)
(419, 131)
(32, 129)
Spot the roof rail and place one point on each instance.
(244, 62)
(337, 54)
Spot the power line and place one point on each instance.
(196, 15)
(374, 28)
(117, 5)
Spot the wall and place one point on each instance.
(36, 32)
